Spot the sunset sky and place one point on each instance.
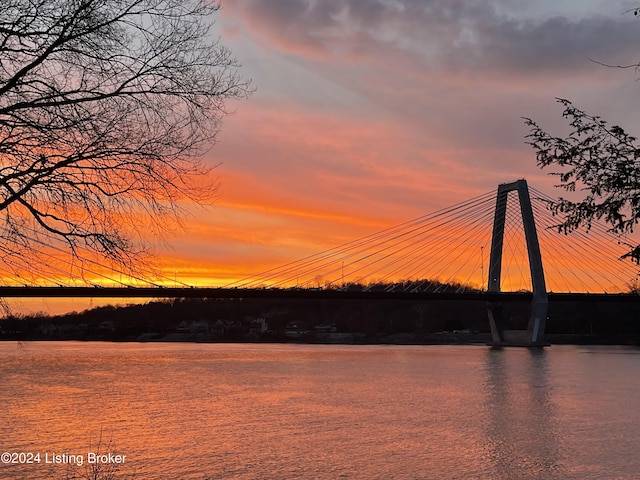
(372, 112)
(368, 113)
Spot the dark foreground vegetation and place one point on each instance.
(324, 321)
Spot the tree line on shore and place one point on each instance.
(326, 320)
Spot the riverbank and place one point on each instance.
(440, 338)
(399, 322)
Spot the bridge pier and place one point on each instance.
(533, 335)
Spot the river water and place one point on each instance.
(242, 411)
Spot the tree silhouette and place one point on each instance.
(602, 161)
(106, 107)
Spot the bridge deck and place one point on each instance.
(182, 292)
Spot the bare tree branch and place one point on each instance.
(106, 107)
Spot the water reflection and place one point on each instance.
(295, 411)
(522, 438)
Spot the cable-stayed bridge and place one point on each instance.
(449, 250)
(497, 246)
(443, 252)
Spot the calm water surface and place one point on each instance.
(213, 411)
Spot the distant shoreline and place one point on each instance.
(326, 321)
(446, 338)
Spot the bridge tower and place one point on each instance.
(534, 334)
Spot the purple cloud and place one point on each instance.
(458, 34)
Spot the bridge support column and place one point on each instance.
(534, 334)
